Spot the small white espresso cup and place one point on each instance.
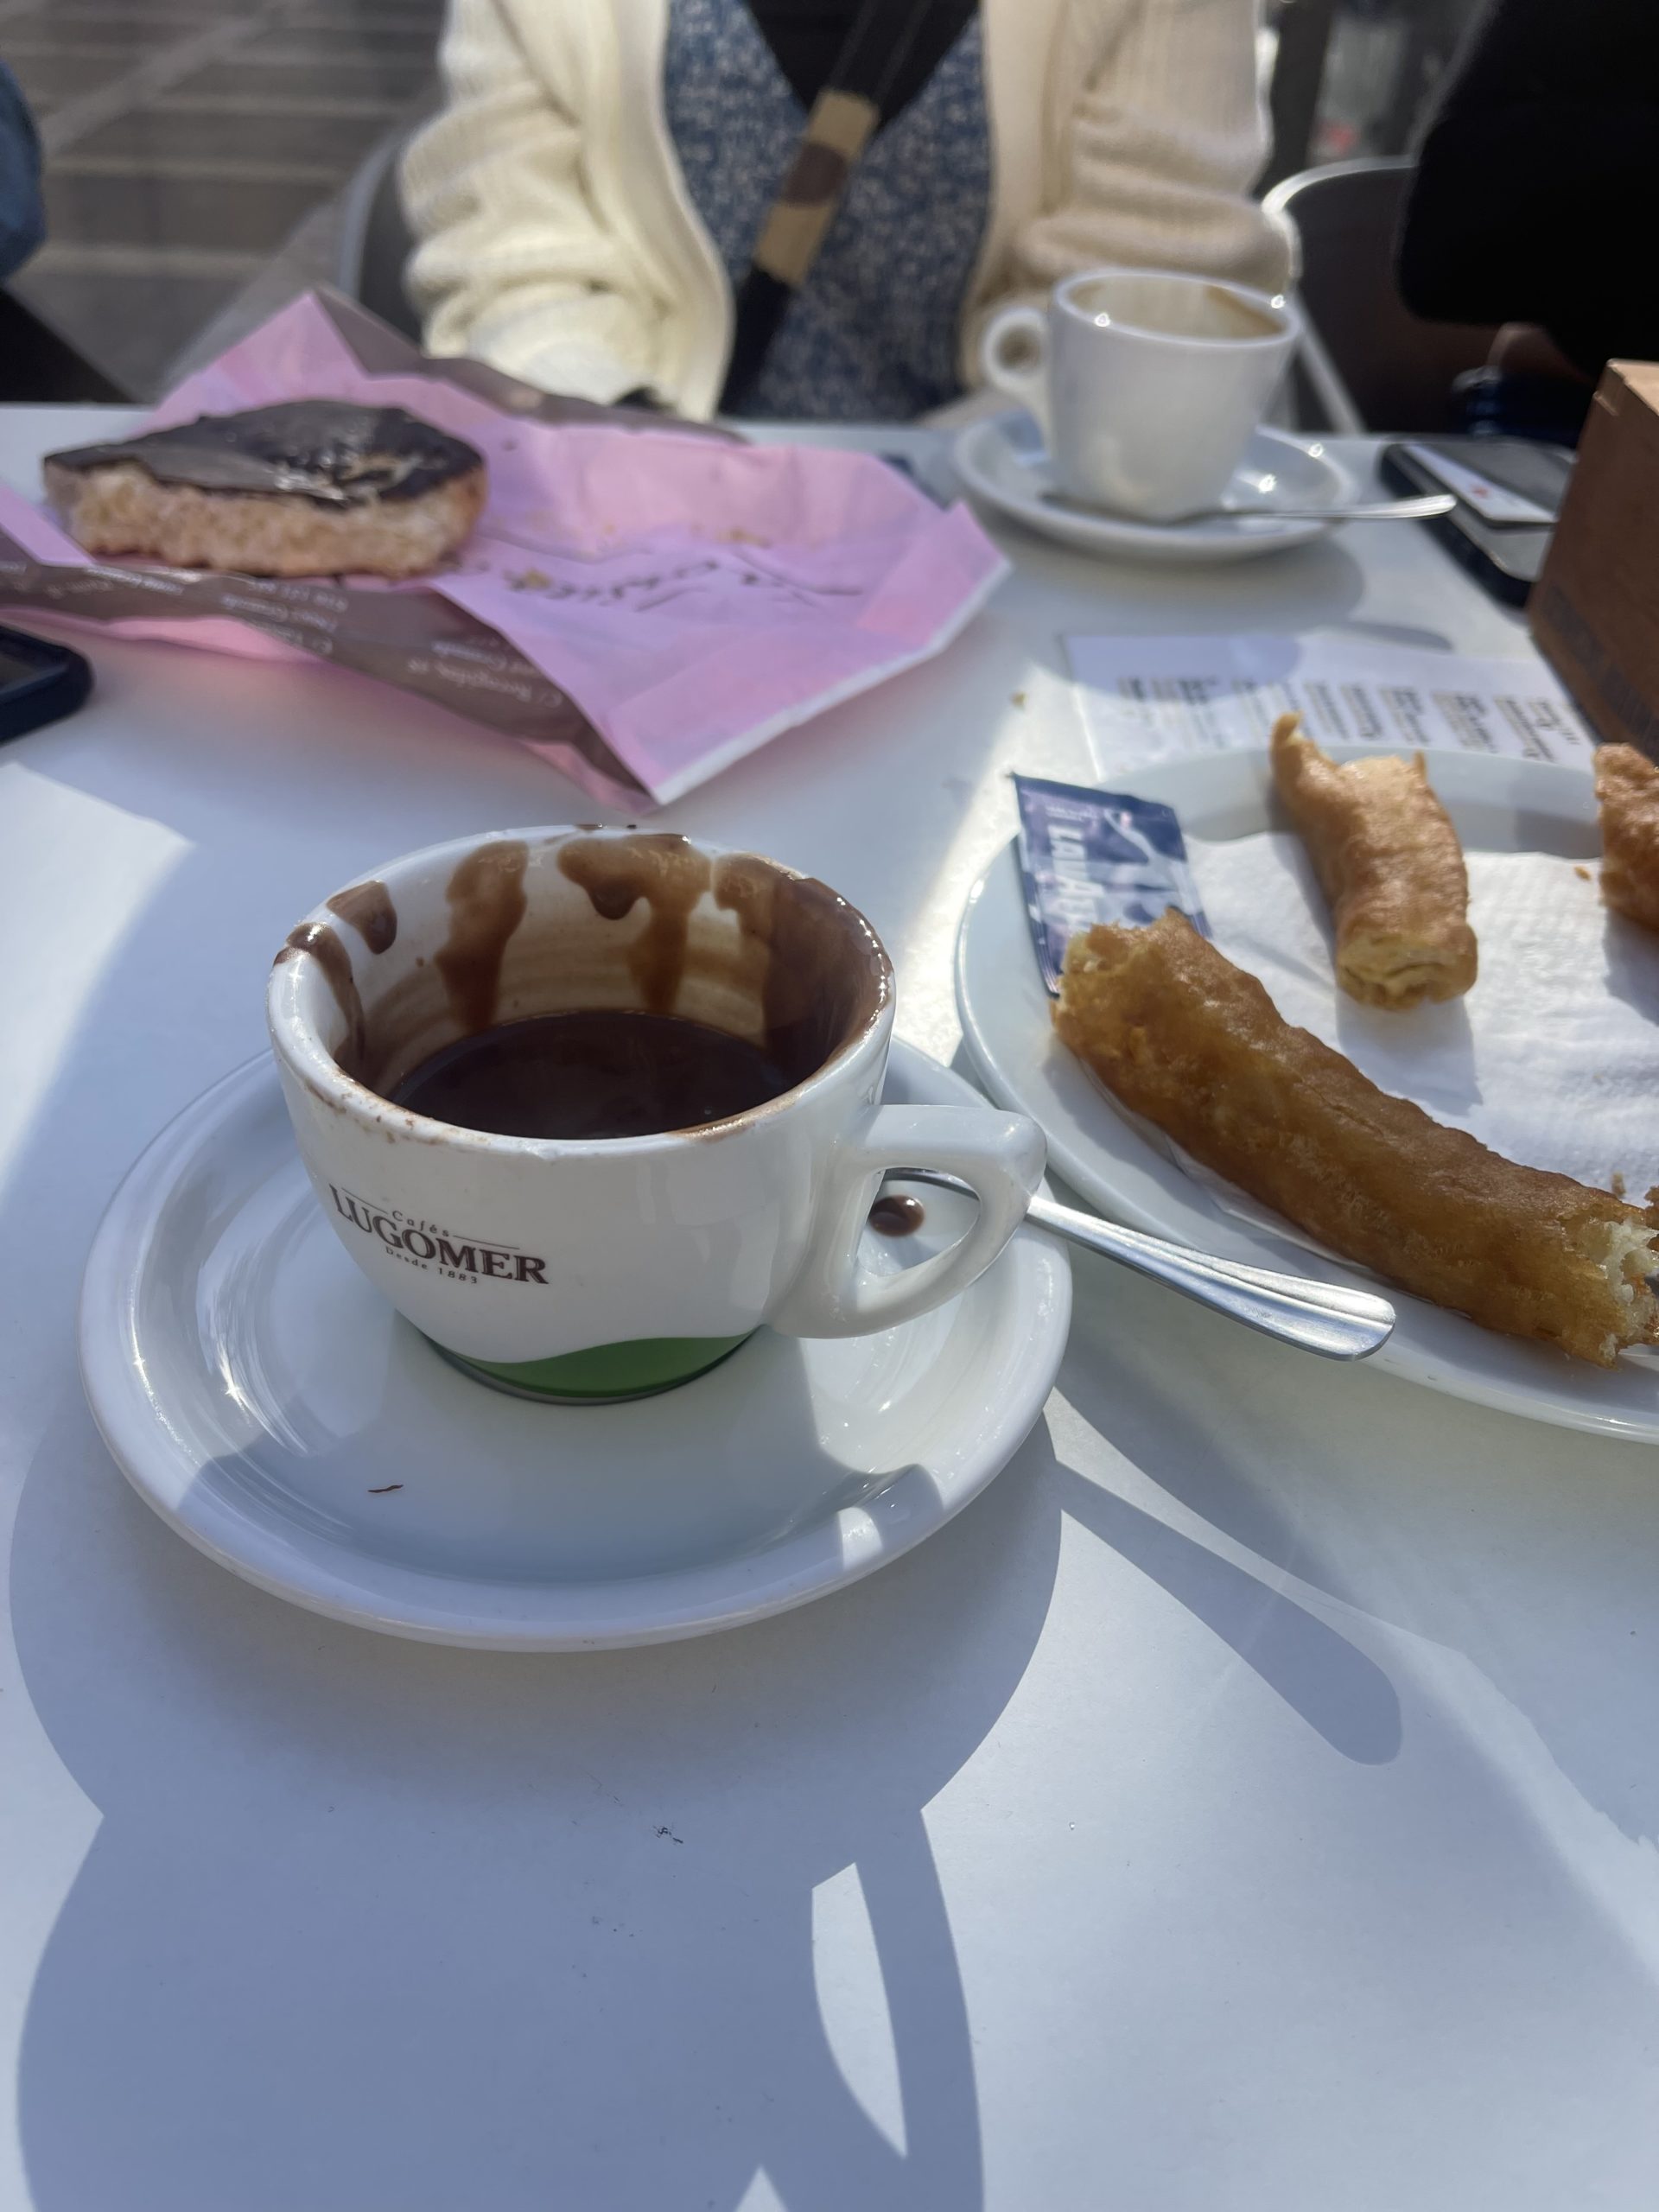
(610, 1267)
(1146, 384)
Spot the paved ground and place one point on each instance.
(195, 150)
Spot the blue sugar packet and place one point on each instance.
(1096, 856)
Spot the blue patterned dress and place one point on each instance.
(873, 333)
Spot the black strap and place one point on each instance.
(806, 37)
(845, 117)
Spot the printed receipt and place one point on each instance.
(1147, 699)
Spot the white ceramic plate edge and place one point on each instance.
(1036, 1282)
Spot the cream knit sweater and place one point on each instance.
(557, 238)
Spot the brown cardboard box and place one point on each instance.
(1594, 611)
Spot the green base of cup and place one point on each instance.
(605, 1375)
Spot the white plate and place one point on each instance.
(1002, 462)
(1498, 805)
(261, 1396)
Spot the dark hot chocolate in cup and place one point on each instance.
(590, 1107)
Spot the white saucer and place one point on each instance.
(1498, 805)
(262, 1397)
(1002, 460)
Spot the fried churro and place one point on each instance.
(1389, 859)
(1180, 1034)
(1627, 793)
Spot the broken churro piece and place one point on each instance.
(1386, 852)
(1627, 793)
(1180, 1034)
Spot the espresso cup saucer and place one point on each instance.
(276, 1411)
(1002, 460)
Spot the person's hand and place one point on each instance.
(1524, 349)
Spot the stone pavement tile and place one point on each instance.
(52, 34)
(155, 133)
(141, 208)
(384, 17)
(367, 78)
(164, 19)
(49, 80)
(315, 43)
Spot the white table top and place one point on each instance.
(1248, 1805)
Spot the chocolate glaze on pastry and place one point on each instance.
(330, 451)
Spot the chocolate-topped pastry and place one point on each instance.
(311, 488)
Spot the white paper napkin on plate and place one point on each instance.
(1553, 1058)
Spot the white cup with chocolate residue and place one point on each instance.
(1147, 383)
(705, 1035)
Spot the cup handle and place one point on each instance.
(1000, 1155)
(1025, 380)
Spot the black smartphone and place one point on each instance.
(40, 682)
(907, 468)
(1494, 478)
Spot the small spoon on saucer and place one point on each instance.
(1325, 1318)
(1421, 508)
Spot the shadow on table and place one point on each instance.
(1341, 1693)
(368, 1922)
(373, 1922)
(1515, 1591)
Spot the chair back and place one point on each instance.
(375, 243)
(1393, 370)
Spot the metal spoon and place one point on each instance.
(1419, 509)
(1325, 1318)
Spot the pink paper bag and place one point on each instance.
(642, 603)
